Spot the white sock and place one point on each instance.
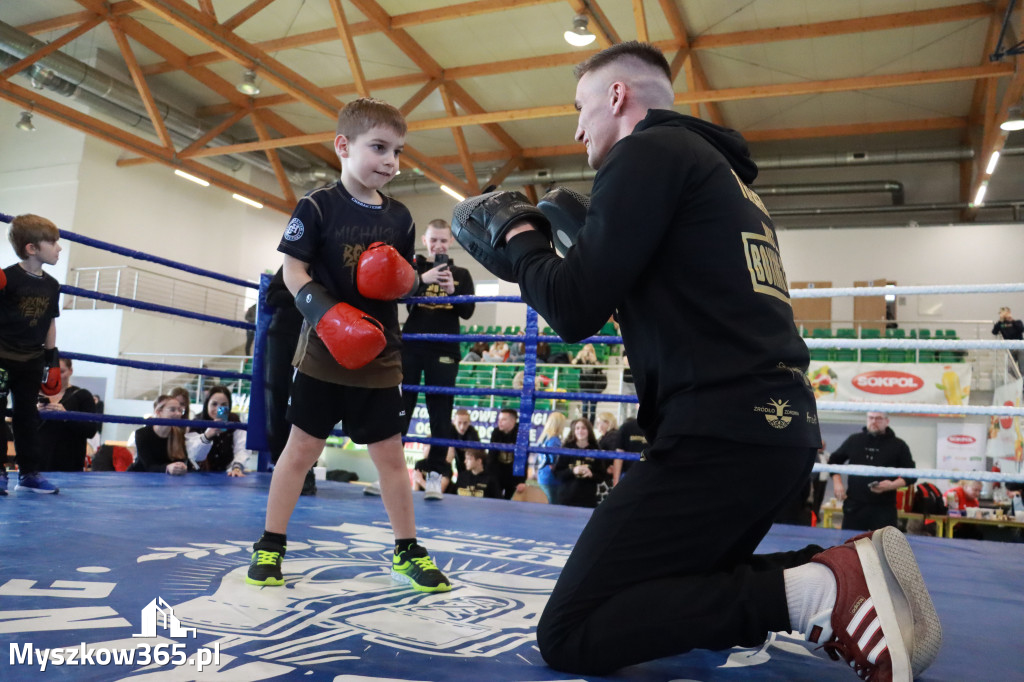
(810, 590)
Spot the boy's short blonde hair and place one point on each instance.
(365, 113)
(31, 229)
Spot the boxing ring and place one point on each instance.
(151, 567)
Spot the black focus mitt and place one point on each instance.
(480, 224)
(567, 211)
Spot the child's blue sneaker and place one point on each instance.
(35, 483)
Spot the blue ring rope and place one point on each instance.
(67, 415)
(142, 305)
(155, 366)
(140, 255)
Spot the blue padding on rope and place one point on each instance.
(156, 366)
(142, 305)
(256, 439)
(140, 255)
(54, 415)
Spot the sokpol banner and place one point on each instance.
(868, 382)
(960, 446)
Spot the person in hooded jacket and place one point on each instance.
(678, 246)
(869, 502)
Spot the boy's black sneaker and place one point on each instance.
(413, 566)
(265, 567)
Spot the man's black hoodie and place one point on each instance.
(680, 248)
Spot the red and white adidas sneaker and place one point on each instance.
(884, 624)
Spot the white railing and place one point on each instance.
(152, 287)
(141, 384)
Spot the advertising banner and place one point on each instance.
(1005, 441)
(960, 446)
(884, 383)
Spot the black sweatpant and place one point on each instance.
(859, 516)
(666, 563)
(436, 369)
(23, 380)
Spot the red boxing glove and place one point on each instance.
(352, 337)
(3, 279)
(51, 372)
(383, 274)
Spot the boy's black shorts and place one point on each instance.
(368, 415)
(428, 464)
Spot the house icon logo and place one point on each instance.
(160, 612)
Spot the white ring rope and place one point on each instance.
(919, 408)
(950, 344)
(908, 290)
(893, 472)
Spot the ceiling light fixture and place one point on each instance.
(248, 85)
(25, 122)
(992, 161)
(193, 178)
(579, 36)
(247, 200)
(1014, 119)
(452, 193)
(979, 198)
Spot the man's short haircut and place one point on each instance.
(361, 115)
(462, 411)
(509, 410)
(1004, 309)
(31, 229)
(476, 454)
(439, 224)
(645, 52)
(68, 361)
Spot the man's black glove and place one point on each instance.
(480, 224)
(567, 210)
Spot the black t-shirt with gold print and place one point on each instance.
(27, 306)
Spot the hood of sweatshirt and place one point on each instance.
(726, 140)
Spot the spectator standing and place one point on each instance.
(63, 444)
(28, 343)
(592, 379)
(544, 465)
(869, 502)
(435, 363)
(1011, 330)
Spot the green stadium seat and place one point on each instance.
(895, 333)
(870, 355)
(821, 334)
(846, 333)
(870, 334)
